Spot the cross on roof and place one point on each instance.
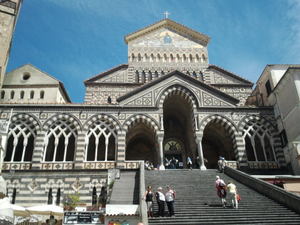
(166, 14)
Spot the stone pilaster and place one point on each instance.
(38, 153)
(79, 156)
(121, 149)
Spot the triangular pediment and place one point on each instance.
(172, 26)
(29, 75)
(220, 76)
(115, 75)
(149, 95)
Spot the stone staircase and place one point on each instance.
(126, 189)
(197, 202)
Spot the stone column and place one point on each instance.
(200, 153)
(161, 152)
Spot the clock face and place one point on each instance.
(173, 146)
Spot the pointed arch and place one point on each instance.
(220, 137)
(178, 89)
(61, 132)
(141, 118)
(21, 138)
(261, 139)
(101, 138)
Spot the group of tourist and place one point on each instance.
(222, 190)
(161, 198)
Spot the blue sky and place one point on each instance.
(74, 40)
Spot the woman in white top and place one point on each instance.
(232, 192)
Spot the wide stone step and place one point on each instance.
(197, 203)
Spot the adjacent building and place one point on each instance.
(279, 87)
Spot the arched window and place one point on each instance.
(197, 59)
(139, 57)
(58, 194)
(42, 94)
(31, 94)
(20, 143)
(194, 75)
(177, 58)
(109, 100)
(132, 57)
(14, 195)
(94, 196)
(158, 58)
(146, 58)
(152, 58)
(50, 197)
(143, 77)
(22, 93)
(12, 95)
(258, 142)
(172, 59)
(60, 141)
(203, 58)
(137, 77)
(165, 58)
(150, 76)
(101, 141)
(2, 94)
(184, 58)
(191, 58)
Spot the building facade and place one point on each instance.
(166, 102)
(276, 84)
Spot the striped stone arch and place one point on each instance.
(178, 90)
(60, 138)
(99, 141)
(28, 119)
(62, 116)
(232, 130)
(22, 135)
(250, 121)
(103, 117)
(141, 118)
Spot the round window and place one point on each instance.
(26, 76)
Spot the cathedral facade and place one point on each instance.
(166, 102)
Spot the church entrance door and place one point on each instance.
(173, 154)
(179, 141)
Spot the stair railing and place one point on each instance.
(278, 194)
(143, 206)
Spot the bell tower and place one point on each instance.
(9, 10)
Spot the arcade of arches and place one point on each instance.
(146, 142)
